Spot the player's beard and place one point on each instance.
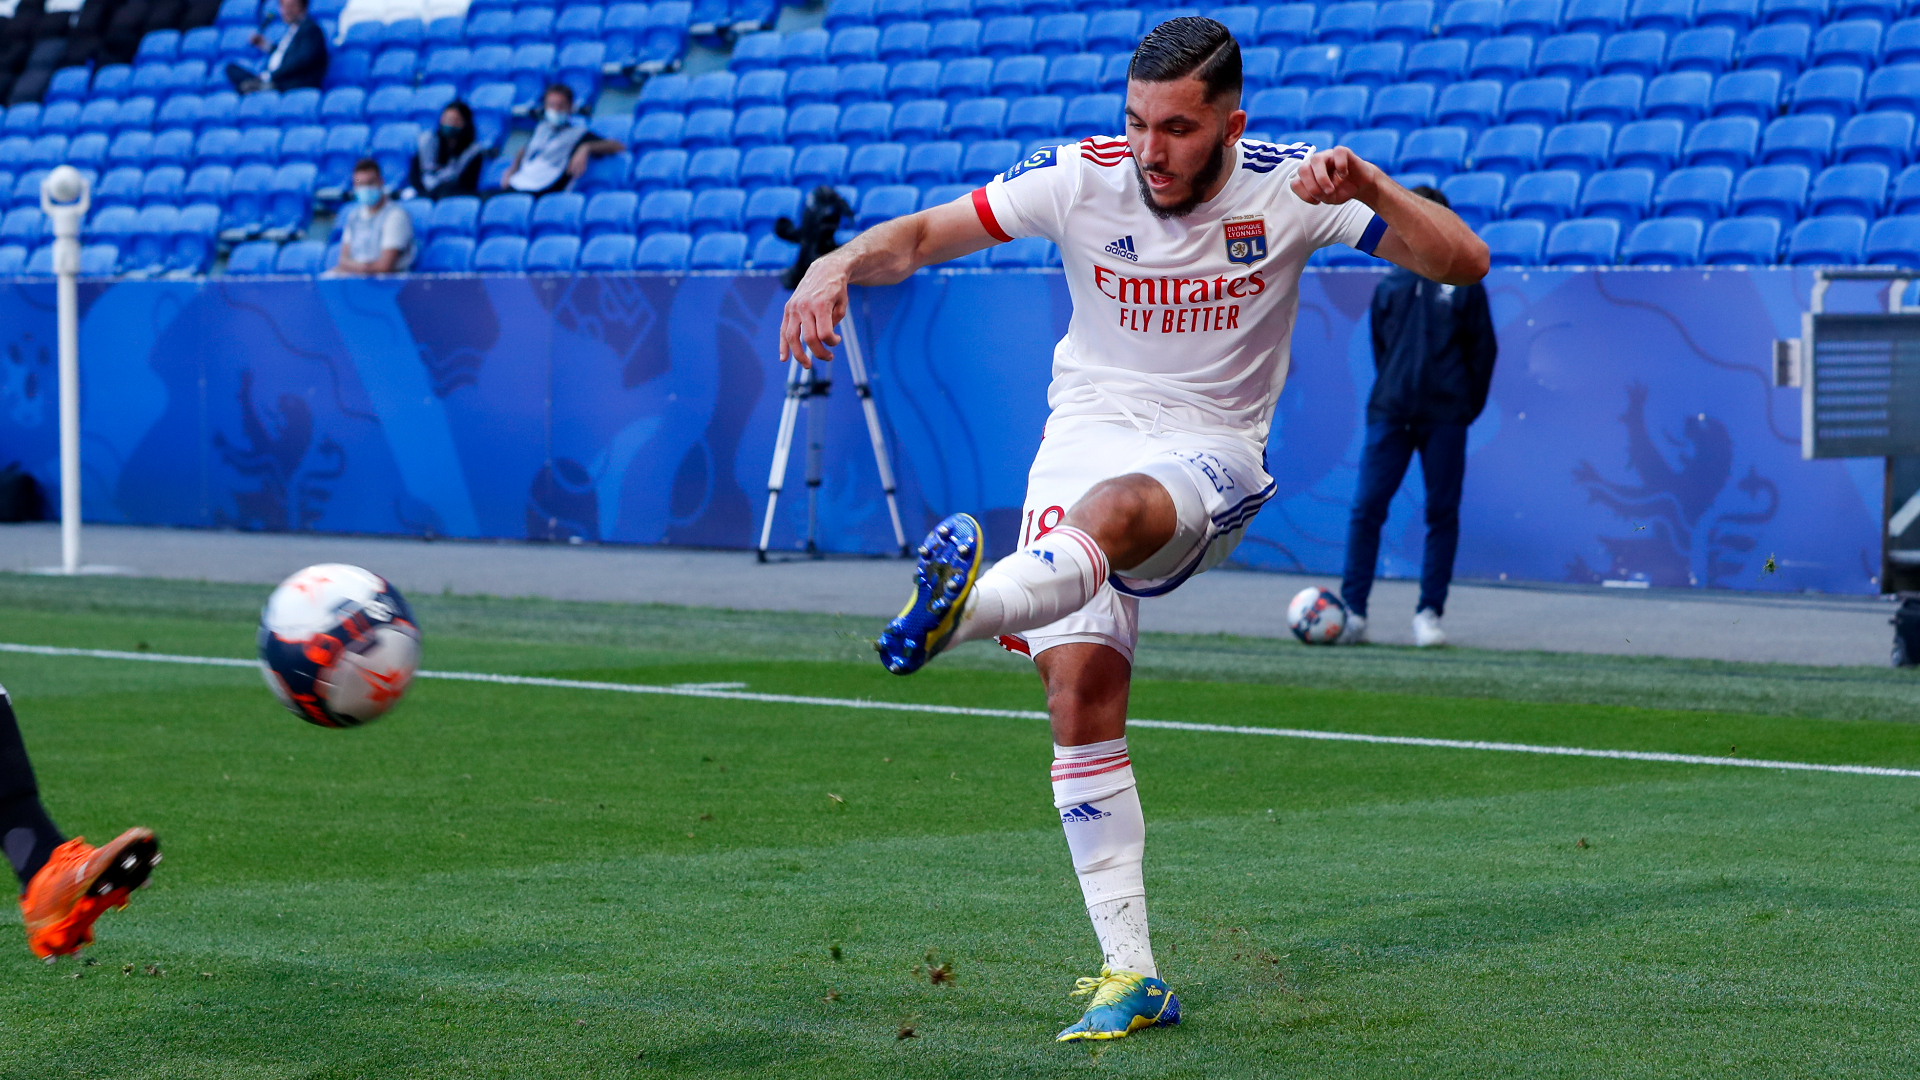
(1196, 192)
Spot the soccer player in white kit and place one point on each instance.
(1183, 245)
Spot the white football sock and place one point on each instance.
(1046, 581)
(1093, 788)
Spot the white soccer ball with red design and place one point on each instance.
(1317, 616)
(338, 645)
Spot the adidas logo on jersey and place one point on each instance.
(1123, 247)
(1084, 812)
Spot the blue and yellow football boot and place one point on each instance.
(1123, 1003)
(950, 559)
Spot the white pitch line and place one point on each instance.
(697, 690)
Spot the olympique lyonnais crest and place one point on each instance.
(1246, 240)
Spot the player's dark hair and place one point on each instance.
(1189, 47)
(1432, 194)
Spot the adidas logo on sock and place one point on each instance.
(1083, 812)
(1123, 247)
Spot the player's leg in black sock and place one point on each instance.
(26, 832)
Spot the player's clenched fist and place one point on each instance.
(814, 309)
(1335, 176)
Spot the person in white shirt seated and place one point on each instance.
(560, 149)
(377, 236)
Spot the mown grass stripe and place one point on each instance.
(696, 691)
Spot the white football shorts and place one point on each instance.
(1217, 485)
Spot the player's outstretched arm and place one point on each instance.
(1422, 236)
(882, 255)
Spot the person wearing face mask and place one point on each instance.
(448, 160)
(560, 149)
(377, 235)
(298, 60)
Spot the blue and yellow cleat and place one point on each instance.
(950, 560)
(1123, 1003)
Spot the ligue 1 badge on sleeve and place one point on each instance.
(1246, 240)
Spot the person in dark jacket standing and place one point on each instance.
(1433, 353)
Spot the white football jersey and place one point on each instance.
(1179, 324)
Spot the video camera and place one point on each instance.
(819, 219)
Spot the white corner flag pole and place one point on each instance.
(71, 185)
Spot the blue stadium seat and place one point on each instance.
(1402, 107)
(1537, 101)
(713, 167)
(555, 254)
(766, 166)
(1700, 193)
(1582, 147)
(667, 94)
(446, 255)
(1281, 108)
(1672, 16)
(1470, 20)
(1071, 76)
(752, 52)
(68, 84)
(164, 184)
(1009, 35)
(861, 44)
(1663, 242)
(914, 81)
(111, 81)
(529, 25)
(557, 214)
(171, 147)
(1736, 15)
(1827, 241)
(1798, 140)
(1476, 197)
(178, 111)
(932, 164)
(1636, 52)
(1802, 12)
(1503, 59)
(501, 255)
(1858, 190)
(886, 202)
(1439, 63)
(456, 215)
(767, 86)
(664, 211)
(716, 210)
(984, 160)
(610, 212)
(531, 71)
(803, 48)
(1336, 108)
(660, 169)
(1834, 91)
(1900, 44)
(1728, 140)
(663, 252)
(1017, 77)
(345, 145)
(127, 148)
(1583, 242)
(844, 13)
(208, 184)
(824, 164)
(1436, 150)
(768, 205)
(1894, 241)
(952, 39)
(1573, 57)
(388, 105)
(343, 105)
(1648, 144)
(1470, 105)
(99, 260)
(1682, 96)
(157, 46)
(977, 118)
(258, 144)
(1880, 11)
(393, 147)
(965, 78)
(1895, 87)
(578, 23)
(1707, 49)
(1510, 149)
(1381, 146)
(1534, 18)
(289, 204)
(88, 151)
(1595, 16)
(1781, 47)
(1310, 66)
(1513, 243)
(1373, 65)
(1741, 242)
(1621, 194)
(663, 130)
(712, 127)
(252, 259)
(1885, 138)
(1403, 21)
(99, 115)
(112, 224)
(1775, 191)
(445, 32)
(300, 257)
(1113, 74)
(136, 114)
(1036, 117)
(1115, 31)
(191, 247)
(580, 66)
(1066, 33)
(1348, 23)
(608, 253)
(1259, 68)
(719, 251)
(491, 104)
(1546, 197)
(395, 67)
(1855, 43)
(1092, 115)
(46, 151)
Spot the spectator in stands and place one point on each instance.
(1433, 354)
(561, 146)
(376, 233)
(448, 161)
(298, 61)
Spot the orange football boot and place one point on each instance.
(78, 884)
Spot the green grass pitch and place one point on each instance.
(504, 881)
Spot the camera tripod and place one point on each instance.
(804, 386)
